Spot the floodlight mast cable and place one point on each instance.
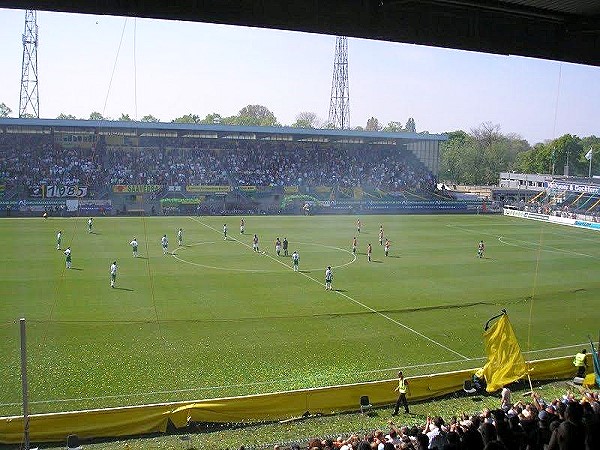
(339, 104)
(29, 102)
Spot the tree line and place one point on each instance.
(477, 157)
(250, 115)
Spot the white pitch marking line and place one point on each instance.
(349, 298)
(549, 248)
(481, 358)
(137, 394)
(228, 269)
(397, 322)
(545, 248)
(334, 248)
(418, 366)
(556, 348)
(175, 255)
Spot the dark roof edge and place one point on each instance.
(172, 126)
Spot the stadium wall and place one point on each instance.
(145, 419)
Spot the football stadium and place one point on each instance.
(210, 315)
(231, 282)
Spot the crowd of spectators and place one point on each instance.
(186, 161)
(29, 160)
(566, 423)
(165, 167)
(32, 159)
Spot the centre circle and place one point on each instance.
(285, 262)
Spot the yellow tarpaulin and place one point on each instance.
(87, 424)
(114, 422)
(505, 361)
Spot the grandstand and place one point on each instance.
(108, 167)
(556, 195)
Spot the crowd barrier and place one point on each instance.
(552, 219)
(137, 420)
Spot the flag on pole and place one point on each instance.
(588, 155)
(505, 362)
(596, 360)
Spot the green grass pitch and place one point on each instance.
(216, 319)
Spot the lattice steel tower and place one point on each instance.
(29, 104)
(339, 105)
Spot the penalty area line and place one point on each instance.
(400, 324)
(520, 243)
(529, 245)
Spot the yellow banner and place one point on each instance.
(207, 188)
(322, 189)
(290, 189)
(505, 362)
(128, 421)
(87, 424)
(136, 188)
(248, 188)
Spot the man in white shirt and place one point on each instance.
(113, 274)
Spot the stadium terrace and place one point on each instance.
(109, 167)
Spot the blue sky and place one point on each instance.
(183, 67)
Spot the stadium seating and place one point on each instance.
(28, 160)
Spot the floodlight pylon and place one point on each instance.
(339, 104)
(29, 103)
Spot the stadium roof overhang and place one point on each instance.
(565, 30)
(222, 132)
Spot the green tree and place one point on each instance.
(27, 116)
(411, 126)
(307, 120)
(393, 127)
(591, 143)
(539, 159)
(525, 162)
(5, 111)
(64, 116)
(125, 118)
(552, 157)
(188, 118)
(212, 119)
(95, 115)
(373, 125)
(256, 115)
(571, 152)
(231, 120)
(452, 155)
(479, 157)
(149, 118)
